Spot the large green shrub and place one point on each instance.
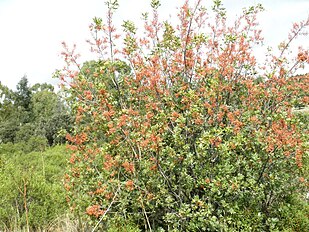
(195, 137)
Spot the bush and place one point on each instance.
(31, 190)
(195, 137)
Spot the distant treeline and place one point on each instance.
(33, 115)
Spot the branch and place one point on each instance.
(108, 208)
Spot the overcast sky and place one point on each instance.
(31, 31)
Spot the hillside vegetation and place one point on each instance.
(178, 128)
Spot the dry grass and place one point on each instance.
(63, 223)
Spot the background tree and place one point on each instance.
(42, 86)
(35, 111)
(50, 114)
(23, 93)
(8, 115)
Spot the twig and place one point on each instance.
(144, 211)
(108, 208)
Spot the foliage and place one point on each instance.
(294, 216)
(31, 191)
(8, 130)
(8, 124)
(35, 111)
(23, 94)
(197, 136)
(51, 116)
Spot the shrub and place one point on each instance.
(31, 190)
(195, 137)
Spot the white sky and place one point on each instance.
(31, 31)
